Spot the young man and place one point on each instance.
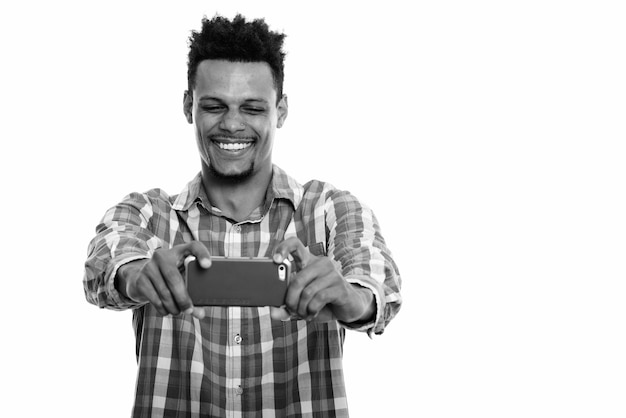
(242, 361)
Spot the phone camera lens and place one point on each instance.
(282, 273)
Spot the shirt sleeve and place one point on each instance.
(122, 236)
(355, 241)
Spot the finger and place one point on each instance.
(294, 247)
(279, 314)
(147, 290)
(165, 296)
(169, 263)
(198, 312)
(196, 249)
(319, 268)
(164, 274)
(151, 285)
(177, 289)
(317, 294)
(324, 315)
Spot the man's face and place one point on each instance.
(235, 113)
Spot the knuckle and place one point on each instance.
(149, 268)
(291, 305)
(314, 307)
(308, 293)
(158, 305)
(141, 284)
(162, 290)
(171, 274)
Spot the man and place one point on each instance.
(242, 361)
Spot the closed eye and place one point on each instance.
(253, 110)
(213, 108)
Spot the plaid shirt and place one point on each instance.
(237, 361)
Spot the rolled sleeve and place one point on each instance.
(377, 324)
(122, 236)
(355, 241)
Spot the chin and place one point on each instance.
(236, 176)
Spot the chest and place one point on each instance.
(249, 238)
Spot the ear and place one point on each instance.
(283, 110)
(187, 106)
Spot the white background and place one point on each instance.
(488, 136)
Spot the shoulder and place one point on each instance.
(156, 197)
(322, 200)
(141, 205)
(162, 200)
(321, 192)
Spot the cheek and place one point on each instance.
(203, 128)
(201, 142)
(263, 128)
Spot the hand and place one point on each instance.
(318, 290)
(159, 280)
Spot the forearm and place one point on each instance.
(356, 243)
(122, 237)
(101, 280)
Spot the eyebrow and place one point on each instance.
(217, 99)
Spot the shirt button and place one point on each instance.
(237, 228)
(238, 339)
(239, 390)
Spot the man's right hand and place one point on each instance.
(159, 280)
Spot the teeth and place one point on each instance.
(233, 147)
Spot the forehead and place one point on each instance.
(234, 80)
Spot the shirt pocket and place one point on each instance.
(318, 249)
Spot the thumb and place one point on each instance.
(279, 314)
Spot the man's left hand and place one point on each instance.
(318, 287)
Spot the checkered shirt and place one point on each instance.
(237, 361)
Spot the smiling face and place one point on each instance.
(236, 113)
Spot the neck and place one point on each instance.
(236, 198)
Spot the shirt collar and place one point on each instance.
(282, 186)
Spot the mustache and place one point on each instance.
(221, 137)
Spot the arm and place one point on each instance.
(123, 236)
(127, 267)
(356, 242)
(357, 282)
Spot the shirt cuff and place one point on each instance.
(120, 301)
(371, 326)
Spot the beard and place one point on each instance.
(236, 177)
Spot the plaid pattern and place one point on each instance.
(238, 362)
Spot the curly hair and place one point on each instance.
(238, 41)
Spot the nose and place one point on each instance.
(232, 121)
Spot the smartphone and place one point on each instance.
(237, 282)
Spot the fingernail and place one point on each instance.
(189, 311)
(205, 263)
(278, 258)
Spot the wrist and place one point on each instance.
(368, 302)
(125, 274)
